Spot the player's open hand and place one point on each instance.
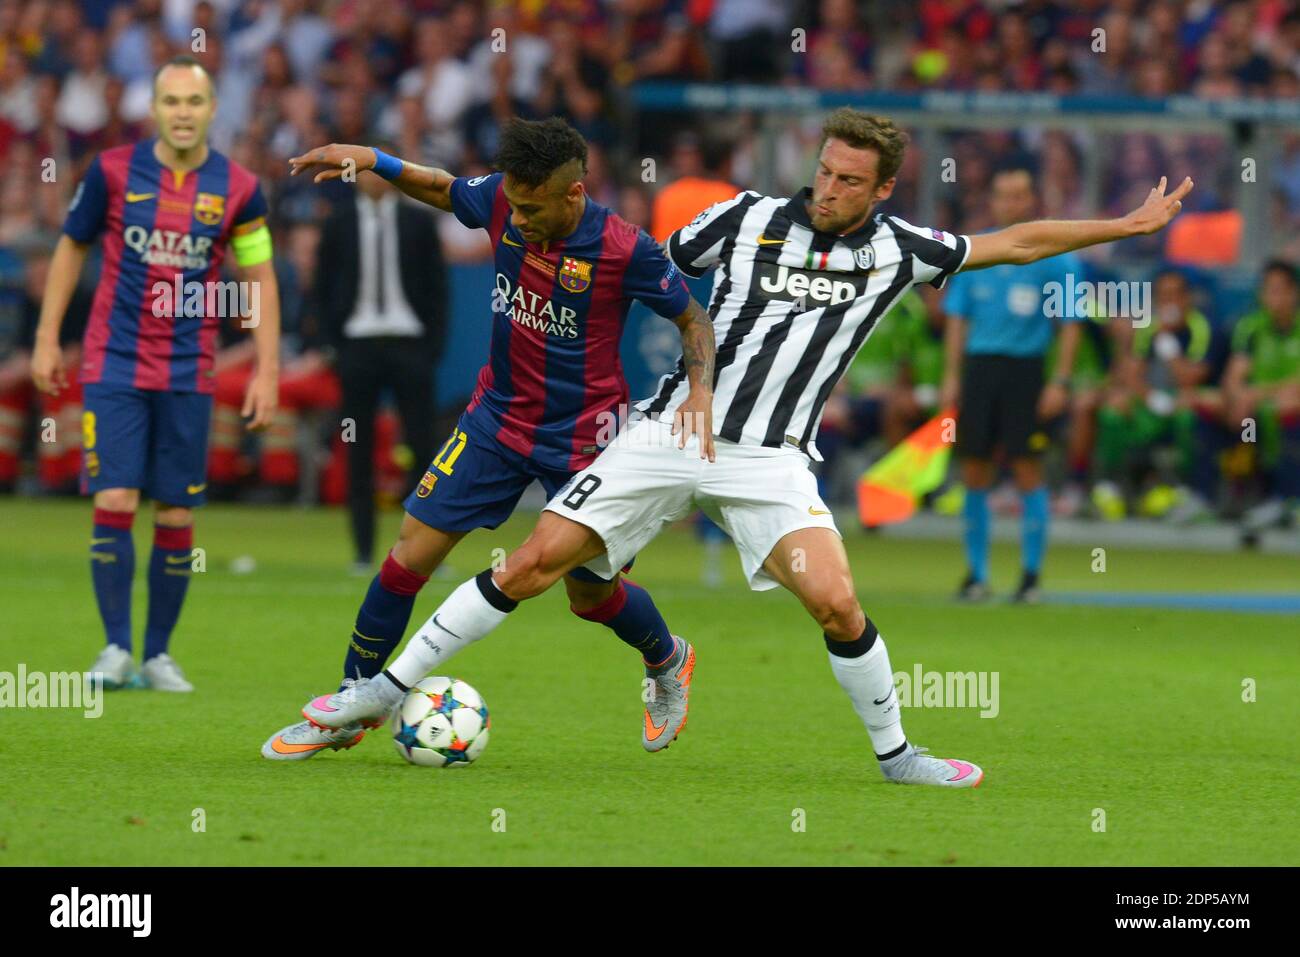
(337, 158)
(1159, 209)
(260, 400)
(48, 370)
(695, 417)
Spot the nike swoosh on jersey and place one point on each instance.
(139, 197)
(510, 242)
(764, 241)
(196, 489)
(818, 511)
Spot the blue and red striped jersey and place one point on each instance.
(159, 226)
(553, 386)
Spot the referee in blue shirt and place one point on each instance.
(998, 335)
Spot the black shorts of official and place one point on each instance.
(999, 407)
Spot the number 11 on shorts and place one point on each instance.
(452, 448)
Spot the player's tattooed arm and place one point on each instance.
(1030, 242)
(344, 161)
(695, 415)
(698, 346)
(425, 183)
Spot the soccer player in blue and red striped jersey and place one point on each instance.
(167, 209)
(550, 396)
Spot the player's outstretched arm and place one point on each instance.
(428, 185)
(1029, 242)
(695, 415)
(47, 357)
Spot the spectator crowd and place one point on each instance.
(435, 79)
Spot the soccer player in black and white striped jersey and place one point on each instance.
(800, 283)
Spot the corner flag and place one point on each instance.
(889, 491)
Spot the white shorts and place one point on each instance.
(642, 482)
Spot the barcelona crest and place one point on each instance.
(209, 208)
(426, 485)
(575, 274)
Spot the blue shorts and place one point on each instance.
(145, 439)
(475, 482)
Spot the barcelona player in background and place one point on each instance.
(167, 209)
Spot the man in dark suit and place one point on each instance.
(382, 289)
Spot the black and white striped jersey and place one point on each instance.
(791, 306)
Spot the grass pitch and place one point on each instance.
(1137, 713)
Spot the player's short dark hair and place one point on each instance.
(1176, 272)
(1287, 269)
(183, 59)
(714, 153)
(531, 150)
(1066, 73)
(1017, 164)
(865, 131)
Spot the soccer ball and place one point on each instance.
(441, 723)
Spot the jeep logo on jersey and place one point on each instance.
(209, 208)
(533, 311)
(816, 287)
(166, 247)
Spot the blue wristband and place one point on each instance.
(389, 167)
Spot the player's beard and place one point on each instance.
(837, 224)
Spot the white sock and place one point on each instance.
(868, 679)
(462, 619)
